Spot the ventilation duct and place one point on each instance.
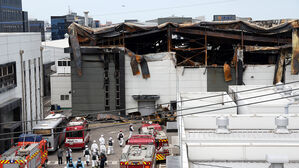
(222, 122)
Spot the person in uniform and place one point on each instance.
(102, 144)
(86, 154)
(94, 146)
(131, 130)
(94, 158)
(79, 163)
(110, 146)
(120, 137)
(68, 154)
(70, 163)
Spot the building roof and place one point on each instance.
(199, 99)
(237, 165)
(63, 43)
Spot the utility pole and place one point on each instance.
(41, 82)
(23, 111)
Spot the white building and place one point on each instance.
(52, 51)
(167, 80)
(20, 72)
(239, 141)
(61, 84)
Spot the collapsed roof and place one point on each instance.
(195, 44)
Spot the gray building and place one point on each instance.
(101, 85)
(37, 26)
(12, 17)
(175, 19)
(224, 17)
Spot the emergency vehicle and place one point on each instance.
(161, 142)
(138, 156)
(141, 140)
(30, 152)
(77, 134)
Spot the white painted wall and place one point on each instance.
(61, 85)
(10, 46)
(162, 81)
(54, 50)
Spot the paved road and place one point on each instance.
(95, 135)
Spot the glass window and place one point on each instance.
(59, 63)
(44, 132)
(74, 134)
(68, 63)
(10, 69)
(67, 97)
(64, 63)
(61, 97)
(4, 69)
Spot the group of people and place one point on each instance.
(96, 154)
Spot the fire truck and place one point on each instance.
(77, 134)
(161, 141)
(30, 152)
(138, 156)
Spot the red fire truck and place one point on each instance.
(30, 152)
(162, 146)
(138, 156)
(77, 133)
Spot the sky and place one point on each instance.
(119, 10)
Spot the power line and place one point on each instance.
(166, 8)
(195, 107)
(144, 10)
(133, 108)
(199, 112)
(224, 108)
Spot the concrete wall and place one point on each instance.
(61, 85)
(10, 46)
(162, 81)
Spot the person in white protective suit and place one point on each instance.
(102, 144)
(94, 146)
(87, 154)
(120, 137)
(110, 146)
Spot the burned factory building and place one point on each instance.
(154, 63)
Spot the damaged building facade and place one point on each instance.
(148, 65)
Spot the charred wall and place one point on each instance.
(101, 86)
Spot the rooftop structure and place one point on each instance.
(248, 139)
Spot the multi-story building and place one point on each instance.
(12, 19)
(20, 84)
(37, 26)
(59, 24)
